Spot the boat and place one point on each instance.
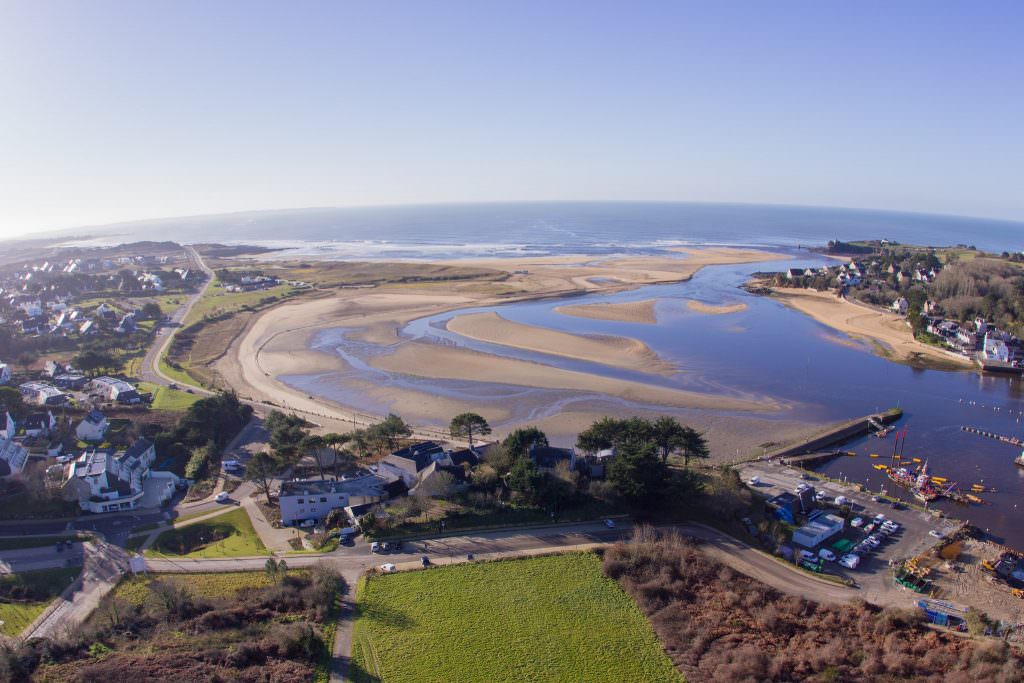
(881, 467)
(873, 455)
(974, 499)
(917, 460)
(939, 480)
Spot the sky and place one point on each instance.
(114, 111)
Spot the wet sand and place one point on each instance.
(724, 309)
(628, 312)
(888, 330)
(619, 352)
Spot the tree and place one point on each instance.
(25, 359)
(668, 435)
(286, 433)
(639, 476)
(199, 463)
(392, 429)
(152, 311)
(609, 432)
(694, 446)
(314, 445)
(335, 441)
(261, 471)
(91, 360)
(11, 401)
(519, 441)
(525, 479)
(466, 424)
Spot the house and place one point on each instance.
(313, 499)
(407, 463)
(106, 481)
(42, 394)
(127, 324)
(71, 381)
(5, 373)
(901, 305)
(13, 457)
(40, 424)
(902, 278)
(549, 457)
(118, 390)
(433, 473)
(54, 368)
(8, 427)
(794, 273)
(93, 427)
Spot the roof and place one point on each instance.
(37, 421)
(421, 454)
(550, 456)
(366, 485)
(138, 447)
(464, 455)
(95, 417)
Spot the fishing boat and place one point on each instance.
(974, 499)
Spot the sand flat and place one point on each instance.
(421, 359)
(619, 352)
(711, 309)
(627, 312)
(888, 329)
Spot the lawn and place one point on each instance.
(19, 542)
(216, 301)
(555, 618)
(33, 591)
(228, 535)
(135, 589)
(165, 398)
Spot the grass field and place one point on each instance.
(228, 535)
(216, 301)
(555, 618)
(210, 586)
(45, 584)
(169, 399)
(19, 542)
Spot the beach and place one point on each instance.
(724, 309)
(890, 334)
(629, 312)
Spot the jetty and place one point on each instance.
(1009, 440)
(818, 445)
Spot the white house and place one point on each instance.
(40, 424)
(93, 427)
(42, 394)
(8, 427)
(113, 389)
(105, 481)
(13, 457)
(314, 499)
(5, 373)
(901, 305)
(409, 463)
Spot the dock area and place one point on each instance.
(818, 444)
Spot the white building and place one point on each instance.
(113, 389)
(42, 394)
(818, 531)
(93, 427)
(901, 305)
(315, 498)
(12, 458)
(8, 427)
(5, 373)
(40, 424)
(105, 481)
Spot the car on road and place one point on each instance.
(223, 497)
(935, 533)
(610, 523)
(857, 522)
(850, 560)
(754, 481)
(388, 568)
(827, 555)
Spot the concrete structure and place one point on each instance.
(113, 389)
(313, 499)
(42, 394)
(105, 481)
(93, 427)
(818, 531)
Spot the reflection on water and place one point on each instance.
(766, 349)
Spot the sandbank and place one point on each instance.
(891, 332)
(421, 359)
(619, 352)
(627, 312)
(723, 309)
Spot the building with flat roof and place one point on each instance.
(313, 499)
(816, 532)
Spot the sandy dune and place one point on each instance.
(701, 307)
(887, 329)
(709, 256)
(422, 359)
(627, 312)
(619, 352)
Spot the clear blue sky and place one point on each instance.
(122, 110)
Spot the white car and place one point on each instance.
(306, 523)
(375, 547)
(754, 481)
(808, 555)
(388, 568)
(820, 496)
(223, 497)
(879, 519)
(857, 522)
(827, 555)
(842, 500)
(850, 561)
(935, 533)
(889, 524)
(871, 541)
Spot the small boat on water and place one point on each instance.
(917, 460)
(881, 467)
(973, 498)
(873, 455)
(939, 480)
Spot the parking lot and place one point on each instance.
(872, 573)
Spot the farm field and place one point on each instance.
(553, 618)
(36, 590)
(227, 535)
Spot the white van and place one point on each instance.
(223, 497)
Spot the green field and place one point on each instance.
(169, 399)
(216, 301)
(555, 618)
(19, 542)
(135, 589)
(44, 585)
(228, 535)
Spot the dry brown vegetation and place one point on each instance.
(718, 625)
(271, 633)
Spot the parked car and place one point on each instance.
(850, 560)
(754, 481)
(873, 541)
(808, 555)
(842, 500)
(857, 522)
(876, 499)
(375, 547)
(869, 528)
(827, 555)
(935, 533)
(894, 526)
(879, 518)
(223, 497)
(307, 523)
(387, 568)
(820, 496)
